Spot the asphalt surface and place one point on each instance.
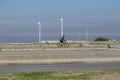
(53, 52)
(58, 67)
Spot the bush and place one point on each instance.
(102, 39)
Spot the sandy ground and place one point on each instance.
(53, 61)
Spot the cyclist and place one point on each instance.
(62, 40)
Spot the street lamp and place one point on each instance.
(39, 23)
(87, 34)
(61, 19)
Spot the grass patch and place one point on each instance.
(63, 75)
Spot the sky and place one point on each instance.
(20, 17)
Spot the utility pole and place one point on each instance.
(87, 34)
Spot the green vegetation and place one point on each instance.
(63, 75)
(102, 39)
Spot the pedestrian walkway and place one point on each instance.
(56, 61)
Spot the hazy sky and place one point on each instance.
(20, 17)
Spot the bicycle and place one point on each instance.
(63, 44)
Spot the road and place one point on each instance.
(58, 67)
(53, 52)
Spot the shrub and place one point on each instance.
(102, 39)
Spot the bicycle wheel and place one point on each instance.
(59, 45)
(66, 45)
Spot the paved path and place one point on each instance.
(52, 52)
(37, 64)
(58, 67)
(53, 61)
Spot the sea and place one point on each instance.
(21, 39)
